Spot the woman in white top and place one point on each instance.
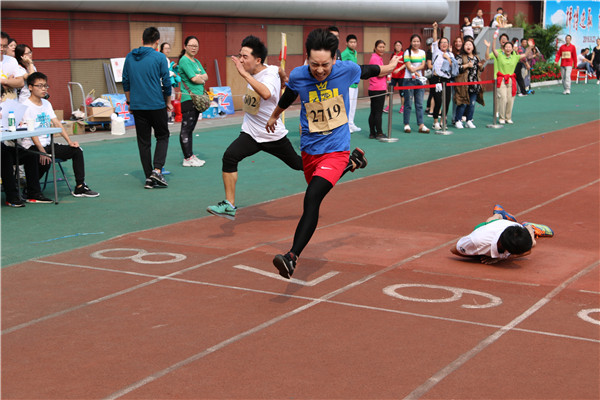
(23, 55)
(414, 60)
(442, 61)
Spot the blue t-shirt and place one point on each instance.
(343, 74)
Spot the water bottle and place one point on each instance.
(12, 123)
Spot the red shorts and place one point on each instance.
(329, 165)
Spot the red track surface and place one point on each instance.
(98, 323)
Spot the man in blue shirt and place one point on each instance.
(147, 86)
(323, 86)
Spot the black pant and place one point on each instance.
(189, 119)
(520, 81)
(65, 152)
(597, 69)
(30, 161)
(375, 117)
(437, 96)
(245, 146)
(145, 121)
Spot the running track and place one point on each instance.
(378, 307)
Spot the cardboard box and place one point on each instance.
(74, 127)
(99, 113)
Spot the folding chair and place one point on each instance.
(581, 74)
(64, 178)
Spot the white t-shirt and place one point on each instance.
(416, 58)
(10, 66)
(483, 241)
(43, 116)
(467, 30)
(581, 59)
(254, 124)
(477, 24)
(25, 93)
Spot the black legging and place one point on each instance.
(189, 119)
(597, 69)
(375, 117)
(315, 193)
(437, 96)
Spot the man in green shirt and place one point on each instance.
(350, 54)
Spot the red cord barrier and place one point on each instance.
(469, 83)
(413, 87)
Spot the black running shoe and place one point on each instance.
(39, 198)
(84, 191)
(149, 184)
(159, 179)
(359, 159)
(285, 264)
(14, 202)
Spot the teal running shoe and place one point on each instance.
(223, 209)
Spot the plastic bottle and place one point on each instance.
(12, 123)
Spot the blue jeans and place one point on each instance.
(408, 98)
(467, 109)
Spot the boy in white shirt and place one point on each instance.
(41, 111)
(501, 237)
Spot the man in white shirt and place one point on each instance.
(478, 23)
(10, 76)
(40, 110)
(584, 63)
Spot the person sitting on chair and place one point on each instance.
(40, 110)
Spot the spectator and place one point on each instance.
(456, 49)
(478, 23)
(567, 54)
(148, 90)
(505, 63)
(398, 74)
(11, 77)
(336, 32)
(193, 78)
(443, 60)
(596, 60)
(467, 28)
(522, 68)
(24, 56)
(470, 65)
(584, 63)
(31, 162)
(350, 54)
(377, 90)
(10, 49)
(428, 73)
(40, 110)
(536, 57)
(414, 60)
(498, 20)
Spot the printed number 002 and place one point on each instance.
(250, 101)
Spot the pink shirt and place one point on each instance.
(377, 83)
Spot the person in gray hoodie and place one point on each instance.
(147, 87)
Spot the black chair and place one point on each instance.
(64, 178)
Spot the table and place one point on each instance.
(20, 134)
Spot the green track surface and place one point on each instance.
(114, 170)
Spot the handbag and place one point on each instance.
(201, 101)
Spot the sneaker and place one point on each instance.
(522, 95)
(354, 128)
(539, 230)
(158, 179)
(164, 171)
(401, 110)
(568, 92)
(359, 159)
(501, 121)
(223, 209)
(84, 191)
(39, 198)
(423, 129)
(498, 209)
(193, 161)
(437, 126)
(199, 162)
(406, 128)
(149, 184)
(285, 264)
(386, 110)
(458, 125)
(509, 121)
(471, 125)
(598, 82)
(15, 202)
(430, 115)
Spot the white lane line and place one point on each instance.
(298, 297)
(460, 361)
(474, 278)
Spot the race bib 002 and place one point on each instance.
(566, 55)
(326, 115)
(251, 102)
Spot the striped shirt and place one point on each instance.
(416, 59)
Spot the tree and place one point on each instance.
(545, 38)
